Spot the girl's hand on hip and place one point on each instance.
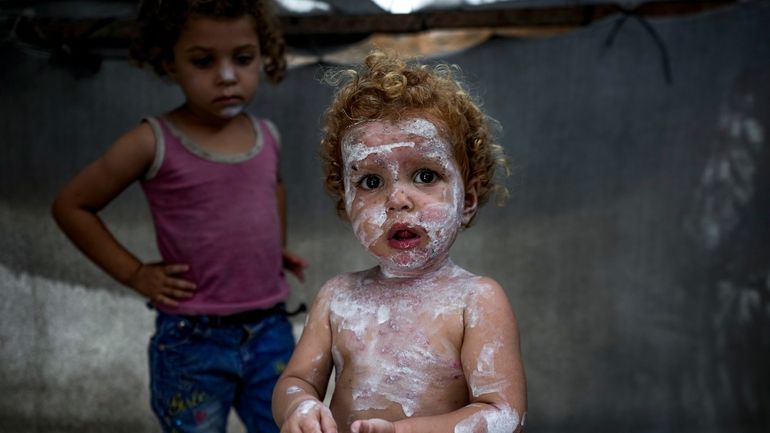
(157, 282)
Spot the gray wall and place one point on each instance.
(635, 248)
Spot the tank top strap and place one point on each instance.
(160, 131)
(267, 130)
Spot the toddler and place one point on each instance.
(417, 343)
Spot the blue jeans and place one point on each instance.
(198, 371)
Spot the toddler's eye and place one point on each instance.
(244, 60)
(370, 181)
(425, 176)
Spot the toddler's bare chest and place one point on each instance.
(394, 362)
(395, 339)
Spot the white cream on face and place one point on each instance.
(232, 111)
(392, 148)
(227, 72)
(227, 75)
(374, 217)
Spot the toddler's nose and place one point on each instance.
(399, 200)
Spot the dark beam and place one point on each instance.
(116, 33)
(561, 17)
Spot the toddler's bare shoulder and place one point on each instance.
(480, 291)
(475, 284)
(341, 282)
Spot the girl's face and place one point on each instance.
(216, 63)
(404, 193)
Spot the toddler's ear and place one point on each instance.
(471, 203)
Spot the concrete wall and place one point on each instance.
(635, 248)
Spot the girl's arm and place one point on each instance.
(493, 368)
(298, 395)
(76, 211)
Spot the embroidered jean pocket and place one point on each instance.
(173, 332)
(175, 345)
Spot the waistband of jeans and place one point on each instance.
(245, 317)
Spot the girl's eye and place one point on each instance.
(425, 176)
(202, 62)
(370, 182)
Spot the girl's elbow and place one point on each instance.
(65, 208)
(59, 209)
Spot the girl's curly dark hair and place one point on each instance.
(160, 23)
(387, 87)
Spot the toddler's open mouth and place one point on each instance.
(403, 237)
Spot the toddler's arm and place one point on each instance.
(298, 395)
(76, 211)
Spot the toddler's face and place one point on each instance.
(404, 193)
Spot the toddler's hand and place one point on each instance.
(310, 416)
(294, 264)
(374, 425)
(157, 282)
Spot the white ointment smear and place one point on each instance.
(383, 314)
(353, 154)
(339, 362)
(439, 217)
(293, 390)
(484, 379)
(474, 312)
(306, 406)
(490, 421)
(357, 152)
(227, 72)
(232, 111)
(398, 361)
(486, 360)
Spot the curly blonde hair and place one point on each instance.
(160, 23)
(386, 87)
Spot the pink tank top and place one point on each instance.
(218, 213)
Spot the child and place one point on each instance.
(418, 344)
(209, 171)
